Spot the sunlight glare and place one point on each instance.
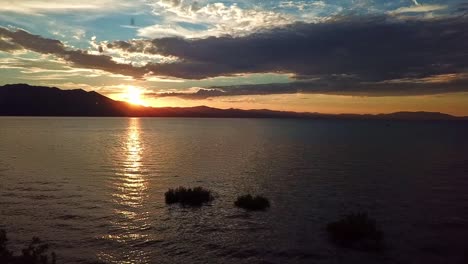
(134, 95)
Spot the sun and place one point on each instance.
(134, 95)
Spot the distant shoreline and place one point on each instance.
(42, 101)
(457, 120)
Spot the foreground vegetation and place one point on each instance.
(188, 196)
(34, 253)
(249, 202)
(357, 231)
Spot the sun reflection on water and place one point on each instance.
(132, 184)
(129, 195)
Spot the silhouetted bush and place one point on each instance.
(356, 230)
(249, 202)
(35, 253)
(188, 196)
(5, 254)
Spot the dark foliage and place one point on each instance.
(188, 196)
(4, 252)
(357, 231)
(34, 253)
(249, 202)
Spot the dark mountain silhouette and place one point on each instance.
(418, 116)
(27, 100)
(22, 99)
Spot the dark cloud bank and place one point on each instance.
(371, 56)
(19, 40)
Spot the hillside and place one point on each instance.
(27, 100)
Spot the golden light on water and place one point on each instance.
(132, 185)
(134, 147)
(130, 193)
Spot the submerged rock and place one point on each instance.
(357, 231)
(252, 203)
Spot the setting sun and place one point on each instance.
(134, 95)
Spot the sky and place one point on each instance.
(328, 56)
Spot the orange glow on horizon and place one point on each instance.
(450, 103)
(134, 96)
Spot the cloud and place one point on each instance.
(462, 8)
(376, 56)
(369, 48)
(39, 7)
(419, 9)
(438, 84)
(8, 46)
(162, 31)
(301, 5)
(212, 19)
(25, 40)
(134, 57)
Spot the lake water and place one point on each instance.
(94, 188)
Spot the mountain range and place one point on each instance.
(27, 100)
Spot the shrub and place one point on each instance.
(188, 196)
(5, 254)
(249, 202)
(35, 253)
(356, 230)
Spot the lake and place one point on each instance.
(93, 188)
